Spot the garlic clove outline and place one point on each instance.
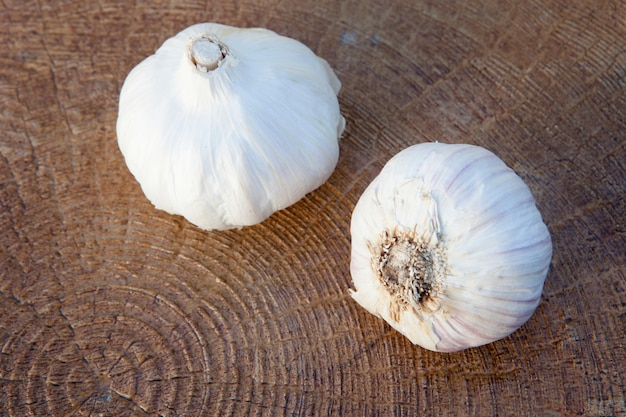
(448, 247)
(226, 125)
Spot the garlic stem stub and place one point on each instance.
(448, 247)
(226, 125)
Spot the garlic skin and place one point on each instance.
(448, 247)
(225, 126)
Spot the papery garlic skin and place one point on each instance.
(225, 126)
(456, 214)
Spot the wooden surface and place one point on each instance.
(109, 307)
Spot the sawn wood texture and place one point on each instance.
(109, 307)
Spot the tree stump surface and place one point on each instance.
(109, 307)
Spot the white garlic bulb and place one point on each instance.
(448, 247)
(226, 125)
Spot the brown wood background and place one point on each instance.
(109, 307)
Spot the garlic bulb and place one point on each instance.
(226, 125)
(448, 247)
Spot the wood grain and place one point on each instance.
(109, 307)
